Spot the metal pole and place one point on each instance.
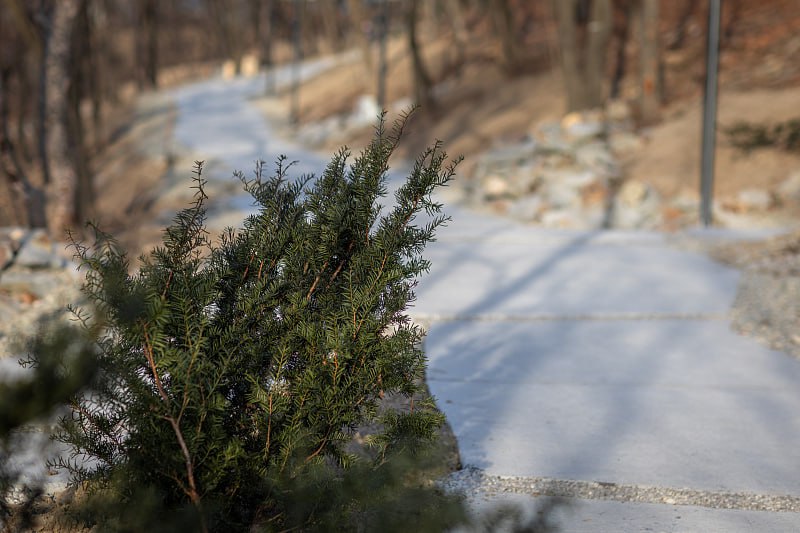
(383, 19)
(297, 24)
(710, 113)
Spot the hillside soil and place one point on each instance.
(480, 105)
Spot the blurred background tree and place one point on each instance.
(69, 69)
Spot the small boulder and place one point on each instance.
(749, 200)
(637, 206)
(583, 126)
(38, 250)
(618, 111)
(367, 110)
(495, 186)
(633, 193)
(527, 209)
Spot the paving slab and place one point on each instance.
(671, 403)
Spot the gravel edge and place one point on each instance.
(474, 483)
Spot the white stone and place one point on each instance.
(548, 138)
(39, 251)
(583, 126)
(596, 156)
(618, 111)
(574, 177)
(754, 199)
(228, 69)
(527, 209)
(525, 179)
(633, 193)
(561, 194)
(249, 65)
(624, 143)
(495, 186)
(637, 206)
(686, 200)
(367, 110)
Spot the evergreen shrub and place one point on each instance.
(232, 374)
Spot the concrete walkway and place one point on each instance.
(595, 357)
(607, 357)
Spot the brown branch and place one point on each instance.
(194, 496)
(247, 268)
(321, 446)
(260, 267)
(166, 287)
(269, 428)
(316, 281)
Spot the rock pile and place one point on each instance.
(569, 175)
(37, 280)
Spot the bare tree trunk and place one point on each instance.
(330, 22)
(358, 21)
(503, 21)
(147, 43)
(265, 39)
(62, 192)
(23, 204)
(456, 18)
(649, 59)
(81, 74)
(422, 80)
(24, 64)
(599, 30)
(584, 28)
(228, 25)
(93, 71)
(570, 62)
(622, 24)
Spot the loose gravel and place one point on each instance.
(475, 484)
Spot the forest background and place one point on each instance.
(485, 72)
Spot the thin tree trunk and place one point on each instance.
(81, 73)
(11, 174)
(649, 59)
(147, 43)
(599, 30)
(93, 74)
(25, 109)
(456, 18)
(422, 80)
(503, 21)
(265, 39)
(564, 11)
(330, 23)
(225, 15)
(584, 29)
(621, 32)
(358, 20)
(64, 180)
